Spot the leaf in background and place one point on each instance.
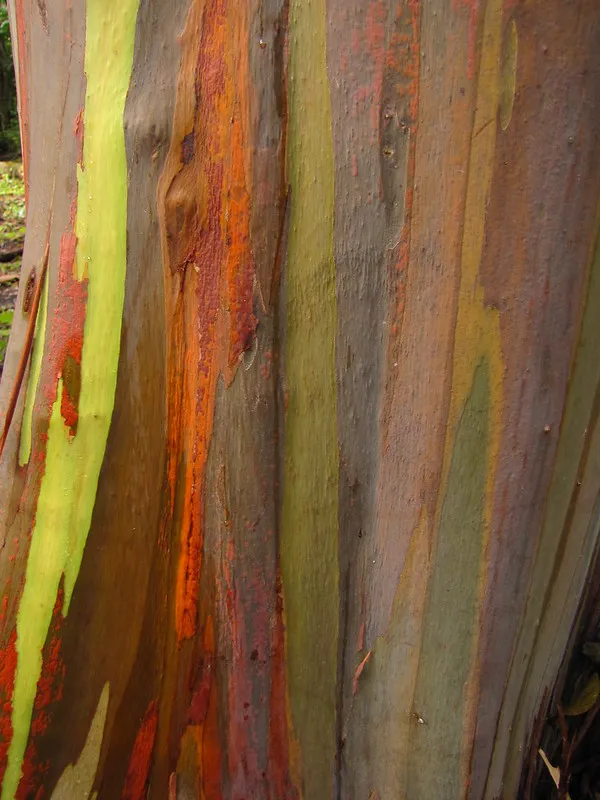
(584, 698)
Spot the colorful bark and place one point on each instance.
(307, 463)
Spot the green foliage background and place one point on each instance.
(10, 144)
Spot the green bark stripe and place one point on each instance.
(309, 538)
(68, 488)
(435, 769)
(34, 378)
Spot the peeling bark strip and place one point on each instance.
(308, 464)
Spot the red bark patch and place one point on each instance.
(279, 760)
(138, 771)
(201, 691)
(8, 667)
(66, 339)
(78, 131)
(49, 693)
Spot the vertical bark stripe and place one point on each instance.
(204, 206)
(309, 539)
(68, 488)
(475, 390)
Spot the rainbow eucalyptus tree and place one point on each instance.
(300, 465)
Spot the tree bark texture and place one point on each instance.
(301, 491)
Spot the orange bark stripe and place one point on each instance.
(205, 208)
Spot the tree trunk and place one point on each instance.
(300, 495)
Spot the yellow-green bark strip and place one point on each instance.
(34, 378)
(68, 488)
(309, 539)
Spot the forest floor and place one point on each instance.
(12, 234)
